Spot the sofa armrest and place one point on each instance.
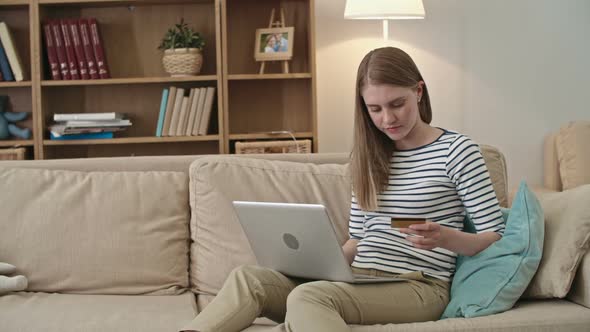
(580, 291)
(537, 190)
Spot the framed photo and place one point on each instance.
(274, 44)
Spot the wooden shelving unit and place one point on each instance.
(248, 106)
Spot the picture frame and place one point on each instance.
(268, 47)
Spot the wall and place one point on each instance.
(505, 72)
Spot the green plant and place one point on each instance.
(181, 36)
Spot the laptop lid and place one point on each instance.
(297, 240)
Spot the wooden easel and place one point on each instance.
(277, 24)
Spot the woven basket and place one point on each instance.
(302, 146)
(182, 61)
(12, 154)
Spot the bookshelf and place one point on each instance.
(131, 31)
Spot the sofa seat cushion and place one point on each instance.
(526, 316)
(28, 312)
(96, 232)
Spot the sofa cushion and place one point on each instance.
(526, 316)
(96, 232)
(573, 154)
(567, 238)
(496, 165)
(494, 279)
(25, 311)
(219, 244)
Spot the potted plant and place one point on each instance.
(182, 50)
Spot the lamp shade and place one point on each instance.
(384, 9)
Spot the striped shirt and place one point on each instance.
(442, 182)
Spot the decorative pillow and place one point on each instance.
(573, 154)
(219, 243)
(567, 239)
(122, 233)
(494, 279)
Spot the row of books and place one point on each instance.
(185, 112)
(69, 126)
(75, 49)
(11, 68)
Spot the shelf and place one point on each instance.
(27, 142)
(113, 2)
(269, 76)
(133, 140)
(139, 80)
(15, 84)
(270, 136)
(14, 2)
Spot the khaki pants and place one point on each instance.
(252, 291)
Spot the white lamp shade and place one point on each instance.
(384, 9)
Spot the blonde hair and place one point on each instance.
(372, 149)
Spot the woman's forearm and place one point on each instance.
(349, 249)
(467, 244)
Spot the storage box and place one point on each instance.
(12, 154)
(300, 146)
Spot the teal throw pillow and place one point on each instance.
(494, 279)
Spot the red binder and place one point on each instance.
(70, 53)
(60, 50)
(78, 48)
(51, 52)
(87, 47)
(97, 46)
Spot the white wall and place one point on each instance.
(505, 72)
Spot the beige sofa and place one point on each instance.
(144, 243)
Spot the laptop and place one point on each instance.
(297, 240)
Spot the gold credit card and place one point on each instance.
(406, 222)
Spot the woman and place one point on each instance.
(270, 45)
(401, 167)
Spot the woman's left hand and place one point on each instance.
(431, 235)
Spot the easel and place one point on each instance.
(277, 24)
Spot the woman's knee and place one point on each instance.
(311, 292)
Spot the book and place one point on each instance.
(169, 107)
(51, 52)
(87, 116)
(200, 107)
(87, 47)
(192, 113)
(11, 52)
(176, 111)
(207, 109)
(81, 136)
(60, 129)
(4, 65)
(97, 46)
(105, 123)
(70, 53)
(78, 49)
(181, 128)
(162, 113)
(60, 50)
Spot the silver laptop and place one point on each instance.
(297, 240)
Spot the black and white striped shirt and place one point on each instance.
(440, 181)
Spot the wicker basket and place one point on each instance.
(182, 61)
(12, 154)
(302, 146)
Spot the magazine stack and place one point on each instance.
(87, 125)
